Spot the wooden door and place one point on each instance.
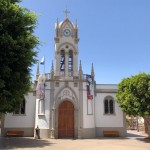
(66, 120)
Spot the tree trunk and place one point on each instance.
(147, 122)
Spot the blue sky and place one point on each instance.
(114, 35)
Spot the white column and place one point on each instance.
(53, 120)
(75, 64)
(57, 57)
(41, 107)
(66, 64)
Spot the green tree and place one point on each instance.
(134, 96)
(17, 54)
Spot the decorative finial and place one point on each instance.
(92, 71)
(80, 70)
(57, 28)
(52, 68)
(66, 12)
(52, 71)
(76, 22)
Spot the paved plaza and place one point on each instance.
(134, 141)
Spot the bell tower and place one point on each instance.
(66, 49)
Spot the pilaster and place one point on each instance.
(52, 110)
(80, 112)
(66, 64)
(57, 63)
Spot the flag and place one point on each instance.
(89, 96)
(88, 76)
(89, 87)
(42, 61)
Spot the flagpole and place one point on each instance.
(43, 63)
(44, 67)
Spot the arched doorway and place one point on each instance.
(66, 120)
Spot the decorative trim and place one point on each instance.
(76, 40)
(66, 84)
(56, 84)
(58, 93)
(41, 114)
(57, 52)
(66, 22)
(56, 39)
(69, 44)
(75, 78)
(75, 52)
(106, 91)
(75, 84)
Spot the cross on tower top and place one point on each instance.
(66, 12)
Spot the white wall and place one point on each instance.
(102, 120)
(88, 120)
(107, 86)
(22, 121)
(43, 120)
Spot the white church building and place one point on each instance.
(66, 103)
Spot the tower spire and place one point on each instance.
(76, 30)
(76, 23)
(57, 28)
(57, 22)
(80, 70)
(52, 70)
(92, 71)
(37, 71)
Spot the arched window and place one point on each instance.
(62, 63)
(106, 106)
(70, 63)
(109, 105)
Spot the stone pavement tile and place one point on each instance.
(22, 143)
(133, 142)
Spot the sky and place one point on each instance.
(114, 35)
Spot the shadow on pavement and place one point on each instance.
(138, 136)
(146, 140)
(134, 135)
(130, 135)
(21, 142)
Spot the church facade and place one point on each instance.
(66, 103)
